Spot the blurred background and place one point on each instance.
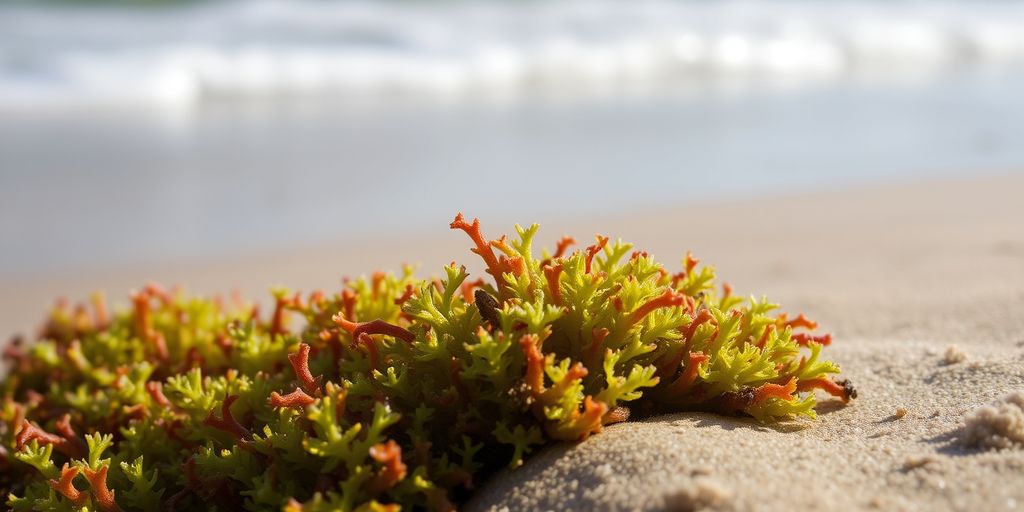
(138, 133)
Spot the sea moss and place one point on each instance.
(394, 391)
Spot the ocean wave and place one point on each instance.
(185, 55)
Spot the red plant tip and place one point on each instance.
(371, 349)
(783, 392)
(143, 320)
(483, 249)
(691, 304)
(801, 321)
(103, 496)
(803, 338)
(585, 423)
(689, 375)
(343, 322)
(66, 487)
(552, 273)
(534, 379)
(295, 399)
(702, 316)
(597, 337)
(392, 470)
(768, 330)
(156, 392)
(30, 432)
(227, 421)
(501, 244)
(690, 262)
(405, 296)
(101, 314)
(160, 346)
(638, 254)
(552, 395)
(563, 244)
(592, 251)
(842, 389)
(468, 287)
(576, 372)
(669, 298)
(64, 427)
(515, 266)
(348, 303)
(193, 359)
(375, 281)
(277, 321)
(155, 290)
(678, 276)
(726, 290)
(379, 326)
(300, 363)
(72, 443)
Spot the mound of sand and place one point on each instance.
(999, 426)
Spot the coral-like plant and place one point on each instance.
(394, 392)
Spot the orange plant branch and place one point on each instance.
(781, 391)
(842, 389)
(156, 392)
(670, 298)
(483, 248)
(563, 244)
(300, 364)
(66, 487)
(30, 432)
(552, 273)
(799, 321)
(295, 399)
(803, 338)
(377, 326)
(582, 424)
(371, 349)
(685, 381)
(227, 421)
(392, 471)
(103, 496)
(534, 378)
(592, 250)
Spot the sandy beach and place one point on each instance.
(922, 284)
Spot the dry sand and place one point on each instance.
(922, 284)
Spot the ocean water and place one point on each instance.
(74, 54)
(133, 135)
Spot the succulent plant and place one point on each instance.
(393, 392)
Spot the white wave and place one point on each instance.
(67, 56)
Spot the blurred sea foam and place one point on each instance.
(182, 54)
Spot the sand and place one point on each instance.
(921, 283)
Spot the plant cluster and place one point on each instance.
(394, 392)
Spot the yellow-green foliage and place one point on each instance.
(394, 391)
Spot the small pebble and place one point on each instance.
(953, 355)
